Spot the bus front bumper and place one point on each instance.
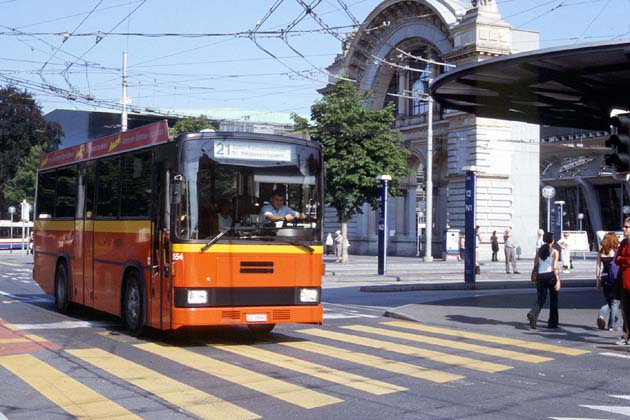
(208, 316)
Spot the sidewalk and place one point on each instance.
(411, 273)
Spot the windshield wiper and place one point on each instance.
(214, 240)
(294, 243)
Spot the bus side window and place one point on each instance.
(66, 192)
(46, 195)
(108, 177)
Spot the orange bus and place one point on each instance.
(173, 232)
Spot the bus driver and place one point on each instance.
(276, 211)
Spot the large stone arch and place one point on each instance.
(390, 24)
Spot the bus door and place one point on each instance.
(82, 277)
(160, 301)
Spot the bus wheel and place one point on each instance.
(133, 311)
(62, 302)
(260, 329)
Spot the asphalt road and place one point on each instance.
(453, 355)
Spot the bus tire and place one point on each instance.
(260, 329)
(62, 300)
(133, 304)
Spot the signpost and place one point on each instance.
(469, 226)
(382, 224)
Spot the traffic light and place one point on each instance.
(619, 142)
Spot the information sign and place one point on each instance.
(247, 150)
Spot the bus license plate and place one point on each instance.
(256, 317)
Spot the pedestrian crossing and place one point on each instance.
(306, 369)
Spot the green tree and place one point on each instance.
(22, 126)
(22, 185)
(358, 144)
(192, 125)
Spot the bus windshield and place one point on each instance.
(235, 186)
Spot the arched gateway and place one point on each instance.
(381, 57)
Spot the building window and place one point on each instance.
(419, 106)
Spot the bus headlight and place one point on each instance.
(197, 297)
(309, 295)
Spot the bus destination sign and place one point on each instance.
(247, 150)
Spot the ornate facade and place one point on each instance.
(382, 57)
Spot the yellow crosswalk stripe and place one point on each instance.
(264, 384)
(9, 264)
(436, 356)
(70, 395)
(400, 368)
(325, 373)
(177, 393)
(459, 345)
(490, 338)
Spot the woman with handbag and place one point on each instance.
(547, 281)
(606, 273)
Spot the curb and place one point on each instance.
(485, 285)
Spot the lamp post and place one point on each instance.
(428, 255)
(548, 192)
(561, 204)
(11, 212)
(382, 225)
(580, 218)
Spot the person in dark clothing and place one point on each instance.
(547, 281)
(623, 261)
(494, 240)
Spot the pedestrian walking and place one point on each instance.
(510, 251)
(462, 246)
(606, 273)
(547, 281)
(623, 261)
(329, 244)
(494, 243)
(563, 243)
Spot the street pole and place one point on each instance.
(382, 225)
(11, 212)
(428, 256)
(123, 101)
(548, 192)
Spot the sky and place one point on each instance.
(189, 57)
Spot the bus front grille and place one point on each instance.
(256, 267)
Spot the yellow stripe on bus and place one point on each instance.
(245, 248)
(371, 386)
(436, 356)
(177, 393)
(293, 394)
(489, 338)
(70, 395)
(101, 226)
(389, 365)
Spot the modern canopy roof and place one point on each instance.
(568, 87)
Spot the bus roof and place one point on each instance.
(146, 135)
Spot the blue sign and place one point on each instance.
(469, 227)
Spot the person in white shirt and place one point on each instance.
(277, 211)
(566, 252)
